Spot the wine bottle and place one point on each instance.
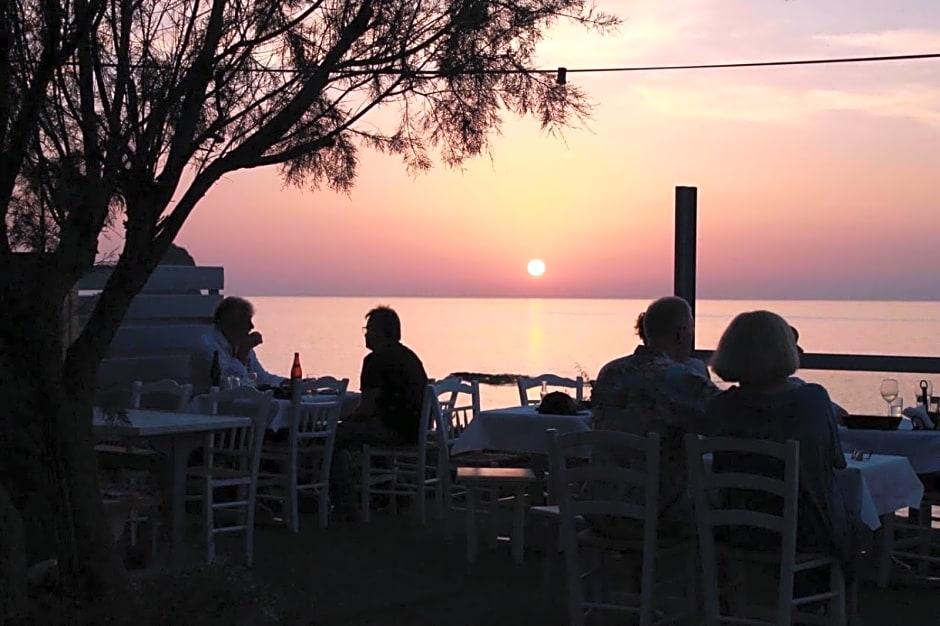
(296, 373)
(215, 371)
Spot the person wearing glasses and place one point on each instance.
(392, 384)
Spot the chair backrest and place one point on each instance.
(715, 509)
(317, 419)
(165, 395)
(618, 463)
(552, 382)
(244, 444)
(458, 402)
(432, 428)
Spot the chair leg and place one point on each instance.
(293, 497)
(575, 591)
(209, 513)
(421, 491)
(887, 547)
(440, 487)
(493, 521)
(250, 524)
(471, 524)
(323, 512)
(518, 525)
(924, 515)
(364, 485)
(837, 615)
(393, 497)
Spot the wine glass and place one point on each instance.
(889, 391)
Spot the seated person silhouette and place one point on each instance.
(233, 336)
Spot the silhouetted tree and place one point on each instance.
(130, 113)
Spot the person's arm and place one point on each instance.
(264, 376)
(369, 384)
(838, 456)
(690, 394)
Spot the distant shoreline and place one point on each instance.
(488, 379)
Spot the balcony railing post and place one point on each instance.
(684, 254)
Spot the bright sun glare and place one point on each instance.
(536, 267)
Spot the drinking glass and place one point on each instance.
(889, 391)
(896, 407)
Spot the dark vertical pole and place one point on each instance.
(686, 216)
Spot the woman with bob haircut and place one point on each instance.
(758, 352)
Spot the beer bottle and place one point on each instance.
(296, 373)
(215, 371)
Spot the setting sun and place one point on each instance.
(536, 267)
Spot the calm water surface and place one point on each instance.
(532, 336)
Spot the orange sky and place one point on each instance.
(814, 182)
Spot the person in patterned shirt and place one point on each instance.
(655, 390)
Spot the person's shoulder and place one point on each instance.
(209, 340)
(689, 377)
(811, 392)
(615, 366)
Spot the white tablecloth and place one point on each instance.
(280, 408)
(921, 447)
(516, 429)
(878, 486)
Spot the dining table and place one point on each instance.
(176, 435)
(516, 429)
(878, 485)
(920, 447)
(280, 407)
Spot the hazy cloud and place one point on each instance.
(774, 104)
(897, 41)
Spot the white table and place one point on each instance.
(280, 407)
(516, 429)
(879, 486)
(921, 447)
(176, 435)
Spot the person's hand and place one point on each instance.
(254, 340)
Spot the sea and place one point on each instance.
(574, 336)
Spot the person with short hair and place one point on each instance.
(654, 390)
(233, 336)
(392, 382)
(696, 364)
(758, 352)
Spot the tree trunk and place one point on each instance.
(48, 466)
(12, 561)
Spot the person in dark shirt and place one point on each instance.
(392, 383)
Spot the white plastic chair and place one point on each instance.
(411, 470)
(231, 459)
(459, 403)
(164, 395)
(619, 463)
(306, 457)
(553, 382)
(713, 511)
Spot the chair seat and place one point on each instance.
(771, 557)
(218, 473)
(591, 538)
(502, 475)
(490, 459)
(114, 502)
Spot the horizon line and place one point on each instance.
(553, 297)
